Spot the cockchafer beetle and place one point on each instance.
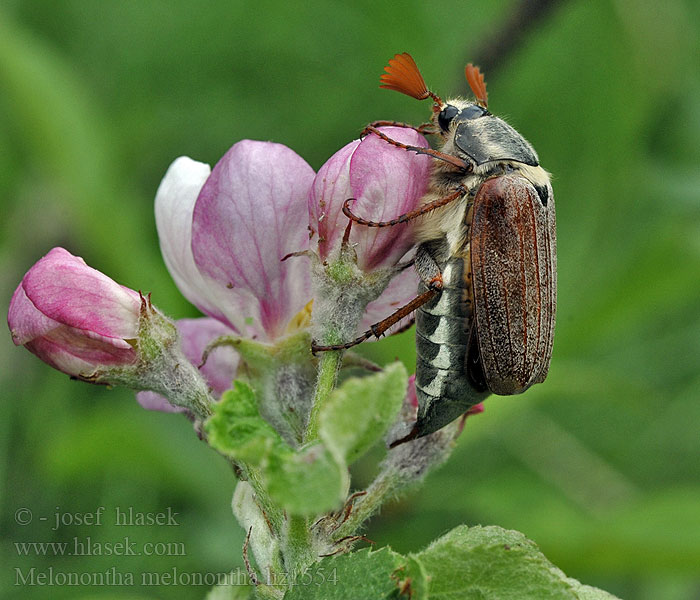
(486, 256)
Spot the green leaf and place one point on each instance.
(308, 482)
(362, 574)
(481, 563)
(237, 430)
(586, 592)
(490, 562)
(359, 412)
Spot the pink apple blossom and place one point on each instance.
(223, 234)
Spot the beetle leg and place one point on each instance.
(409, 216)
(448, 158)
(410, 323)
(378, 329)
(426, 128)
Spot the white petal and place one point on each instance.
(175, 200)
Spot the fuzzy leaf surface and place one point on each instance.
(360, 411)
(361, 574)
(490, 562)
(305, 482)
(237, 430)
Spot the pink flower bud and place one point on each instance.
(73, 317)
(385, 182)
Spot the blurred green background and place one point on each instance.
(600, 465)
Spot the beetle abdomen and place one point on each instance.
(445, 384)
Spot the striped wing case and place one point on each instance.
(513, 260)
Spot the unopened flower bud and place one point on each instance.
(384, 182)
(86, 325)
(73, 317)
(361, 281)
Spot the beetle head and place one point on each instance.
(468, 129)
(476, 134)
(472, 132)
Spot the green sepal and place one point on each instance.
(237, 430)
(283, 374)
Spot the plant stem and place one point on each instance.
(271, 511)
(377, 493)
(297, 546)
(327, 378)
(201, 403)
(405, 466)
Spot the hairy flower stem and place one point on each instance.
(328, 369)
(200, 404)
(384, 487)
(297, 546)
(272, 512)
(403, 468)
(179, 381)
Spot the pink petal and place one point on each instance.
(411, 395)
(153, 401)
(476, 409)
(330, 189)
(63, 288)
(250, 213)
(25, 321)
(65, 348)
(386, 182)
(401, 290)
(174, 205)
(69, 350)
(221, 365)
